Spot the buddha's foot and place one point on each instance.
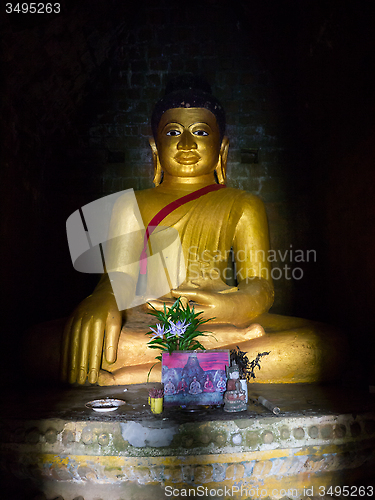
(139, 374)
(221, 333)
(254, 331)
(106, 378)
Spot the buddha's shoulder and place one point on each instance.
(244, 199)
(130, 201)
(145, 194)
(154, 196)
(130, 195)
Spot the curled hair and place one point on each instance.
(188, 91)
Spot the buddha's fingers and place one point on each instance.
(203, 297)
(97, 336)
(65, 350)
(83, 357)
(113, 330)
(73, 348)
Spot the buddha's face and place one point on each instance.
(188, 142)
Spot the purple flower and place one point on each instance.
(159, 332)
(178, 329)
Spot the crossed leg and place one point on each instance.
(300, 350)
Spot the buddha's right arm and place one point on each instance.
(94, 326)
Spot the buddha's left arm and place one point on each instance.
(255, 290)
(251, 251)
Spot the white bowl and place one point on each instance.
(106, 404)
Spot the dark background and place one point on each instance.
(296, 79)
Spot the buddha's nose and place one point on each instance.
(187, 141)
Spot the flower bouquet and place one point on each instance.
(176, 330)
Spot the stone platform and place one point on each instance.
(53, 446)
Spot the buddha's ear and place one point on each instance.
(158, 173)
(221, 168)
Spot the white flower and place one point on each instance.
(159, 332)
(178, 329)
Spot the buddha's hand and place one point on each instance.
(230, 308)
(95, 323)
(238, 308)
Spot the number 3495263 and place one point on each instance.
(32, 8)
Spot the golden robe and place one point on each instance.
(301, 350)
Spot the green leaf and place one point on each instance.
(170, 342)
(158, 347)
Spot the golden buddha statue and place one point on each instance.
(102, 344)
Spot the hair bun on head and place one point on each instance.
(188, 91)
(185, 82)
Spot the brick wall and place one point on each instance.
(168, 40)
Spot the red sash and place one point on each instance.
(155, 221)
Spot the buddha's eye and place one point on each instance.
(200, 132)
(173, 133)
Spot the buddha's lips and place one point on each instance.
(187, 157)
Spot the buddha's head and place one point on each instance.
(232, 372)
(188, 126)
